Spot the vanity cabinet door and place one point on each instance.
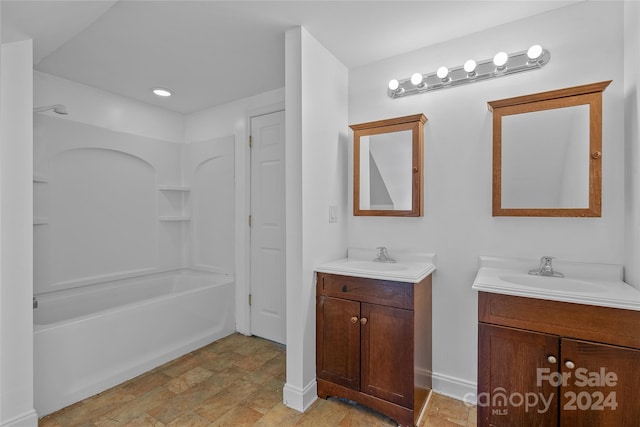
(603, 387)
(338, 341)
(387, 353)
(509, 364)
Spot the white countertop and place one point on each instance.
(584, 283)
(409, 267)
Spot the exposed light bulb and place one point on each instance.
(162, 92)
(470, 66)
(534, 52)
(442, 72)
(416, 79)
(500, 59)
(394, 84)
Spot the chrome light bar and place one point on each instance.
(502, 64)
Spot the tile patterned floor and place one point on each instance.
(236, 381)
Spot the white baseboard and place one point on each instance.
(456, 388)
(28, 419)
(300, 399)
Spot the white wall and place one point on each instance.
(585, 41)
(16, 242)
(316, 169)
(234, 120)
(632, 141)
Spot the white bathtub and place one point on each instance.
(90, 339)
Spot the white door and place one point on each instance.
(267, 227)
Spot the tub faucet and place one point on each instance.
(546, 269)
(383, 255)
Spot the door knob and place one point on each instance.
(354, 319)
(363, 321)
(552, 359)
(569, 364)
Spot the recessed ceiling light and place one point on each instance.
(162, 92)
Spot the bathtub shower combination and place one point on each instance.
(130, 268)
(92, 338)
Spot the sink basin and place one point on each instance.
(560, 284)
(412, 267)
(375, 266)
(584, 283)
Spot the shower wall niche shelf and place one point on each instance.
(173, 188)
(175, 218)
(173, 205)
(40, 204)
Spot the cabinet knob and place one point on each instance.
(552, 359)
(363, 321)
(569, 364)
(354, 319)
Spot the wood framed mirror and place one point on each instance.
(547, 153)
(388, 167)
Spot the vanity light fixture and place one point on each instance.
(417, 80)
(470, 68)
(443, 74)
(534, 53)
(500, 65)
(500, 60)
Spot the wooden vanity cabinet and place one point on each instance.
(583, 360)
(373, 343)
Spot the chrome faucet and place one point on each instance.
(383, 255)
(546, 269)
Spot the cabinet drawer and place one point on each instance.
(383, 292)
(592, 323)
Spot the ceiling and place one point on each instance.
(212, 52)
